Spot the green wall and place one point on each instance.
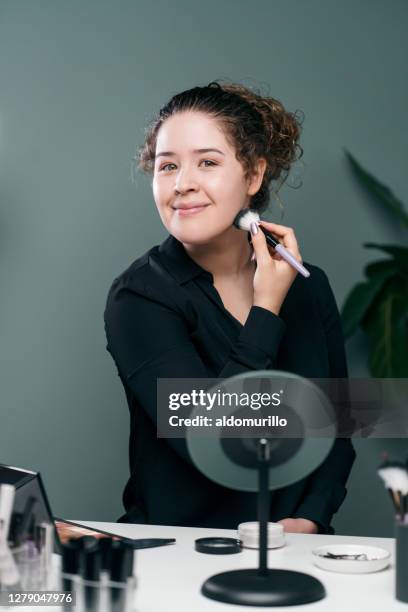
(79, 80)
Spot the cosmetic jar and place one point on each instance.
(248, 533)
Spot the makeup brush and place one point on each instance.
(395, 477)
(243, 221)
(384, 465)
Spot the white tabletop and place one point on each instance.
(170, 577)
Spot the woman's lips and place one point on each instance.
(186, 212)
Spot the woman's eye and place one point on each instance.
(204, 160)
(165, 166)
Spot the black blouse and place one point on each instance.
(165, 319)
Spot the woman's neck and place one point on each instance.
(228, 255)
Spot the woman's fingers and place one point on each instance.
(259, 245)
(285, 235)
(273, 278)
(263, 252)
(272, 253)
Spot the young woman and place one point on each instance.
(206, 304)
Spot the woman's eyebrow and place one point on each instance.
(167, 153)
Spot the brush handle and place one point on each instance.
(279, 248)
(291, 260)
(395, 501)
(270, 238)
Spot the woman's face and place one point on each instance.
(212, 180)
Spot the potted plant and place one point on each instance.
(379, 304)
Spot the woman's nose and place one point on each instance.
(185, 181)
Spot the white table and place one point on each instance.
(170, 577)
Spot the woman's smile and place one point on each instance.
(191, 210)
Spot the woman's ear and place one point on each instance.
(255, 181)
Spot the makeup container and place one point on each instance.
(105, 547)
(401, 562)
(31, 547)
(24, 564)
(28, 563)
(122, 582)
(91, 567)
(9, 573)
(45, 543)
(248, 533)
(70, 574)
(121, 596)
(99, 572)
(395, 477)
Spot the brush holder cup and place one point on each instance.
(401, 569)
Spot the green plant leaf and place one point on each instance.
(359, 301)
(399, 253)
(386, 325)
(381, 191)
(382, 267)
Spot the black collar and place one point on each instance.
(178, 262)
(180, 265)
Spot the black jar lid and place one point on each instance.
(218, 546)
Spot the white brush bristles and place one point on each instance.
(395, 478)
(244, 219)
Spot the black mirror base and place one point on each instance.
(276, 588)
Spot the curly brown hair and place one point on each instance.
(256, 126)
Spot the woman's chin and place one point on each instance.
(193, 234)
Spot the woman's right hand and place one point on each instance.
(273, 276)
